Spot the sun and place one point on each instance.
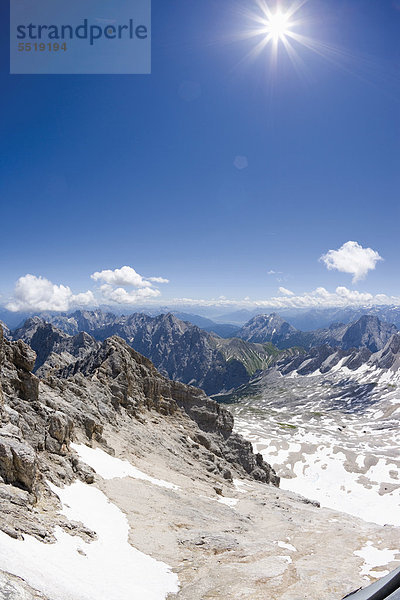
(277, 25)
(280, 29)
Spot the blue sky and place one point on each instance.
(99, 172)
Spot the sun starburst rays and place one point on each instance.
(275, 30)
(276, 27)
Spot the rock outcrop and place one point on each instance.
(6, 331)
(133, 383)
(51, 345)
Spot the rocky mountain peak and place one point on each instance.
(266, 328)
(46, 340)
(368, 332)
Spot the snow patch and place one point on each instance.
(373, 557)
(109, 467)
(228, 501)
(286, 546)
(106, 569)
(239, 485)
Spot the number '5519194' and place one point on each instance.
(42, 47)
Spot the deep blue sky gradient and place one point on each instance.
(101, 171)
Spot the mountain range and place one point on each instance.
(186, 353)
(180, 350)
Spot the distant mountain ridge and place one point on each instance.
(186, 353)
(179, 349)
(368, 331)
(325, 359)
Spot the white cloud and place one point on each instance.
(352, 258)
(115, 282)
(121, 296)
(285, 291)
(126, 276)
(39, 294)
(123, 277)
(158, 280)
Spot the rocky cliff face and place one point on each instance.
(51, 345)
(367, 332)
(389, 356)
(179, 349)
(353, 364)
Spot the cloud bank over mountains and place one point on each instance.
(126, 287)
(37, 294)
(122, 286)
(126, 276)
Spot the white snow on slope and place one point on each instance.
(347, 461)
(321, 475)
(373, 558)
(106, 569)
(286, 546)
(109, 467)
(241, 486)
(228, 501)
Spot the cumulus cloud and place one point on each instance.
(126, 276)
(352, 258)
(39, 294)
(122, 296)
(285, 292)
(116, 281)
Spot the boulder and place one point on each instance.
(18, 463)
